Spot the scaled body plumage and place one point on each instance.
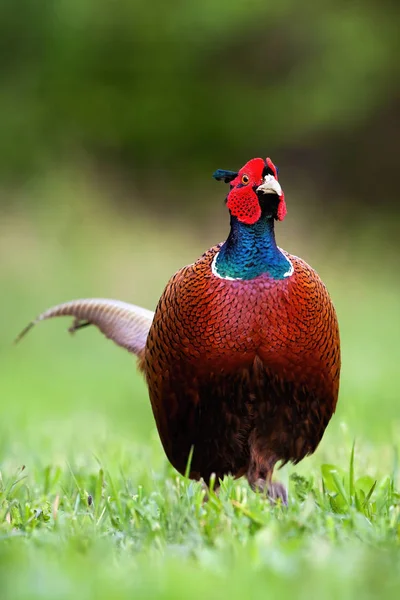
(260, 361)
(242, 356)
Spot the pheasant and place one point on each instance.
(242, 354)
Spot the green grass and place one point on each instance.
(90, 508)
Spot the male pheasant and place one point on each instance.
(242, 355)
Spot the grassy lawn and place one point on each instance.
(90, 508)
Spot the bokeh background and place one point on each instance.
(113, 116)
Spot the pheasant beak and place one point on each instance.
(270, 186)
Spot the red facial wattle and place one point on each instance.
(243, 204)
(281, 212)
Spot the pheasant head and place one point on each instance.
(254, 192)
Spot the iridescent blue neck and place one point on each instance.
(250, 251)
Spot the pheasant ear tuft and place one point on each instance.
(274, 169)
(223, 175)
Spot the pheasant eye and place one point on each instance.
(245, 179)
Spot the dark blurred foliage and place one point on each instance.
(172, 87)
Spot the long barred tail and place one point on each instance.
(126, 324)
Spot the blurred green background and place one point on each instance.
(113, 116)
